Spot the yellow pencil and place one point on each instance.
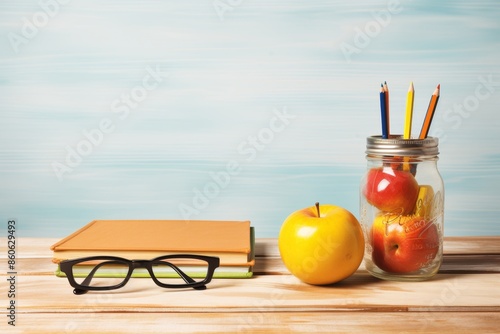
(409, 115)
(409, 112)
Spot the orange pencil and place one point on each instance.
(430, 113)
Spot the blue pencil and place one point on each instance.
(387, 109)
(383, 112)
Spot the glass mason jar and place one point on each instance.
(402, 207)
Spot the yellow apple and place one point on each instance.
(322, 244)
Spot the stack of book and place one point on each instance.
(231, 241)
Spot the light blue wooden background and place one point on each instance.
(274, 98)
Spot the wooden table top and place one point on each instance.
(464, 297)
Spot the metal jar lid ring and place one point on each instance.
(395, 145)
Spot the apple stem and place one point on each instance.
(317, 209)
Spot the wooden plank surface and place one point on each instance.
(469, 292)
(463, 297)
(261, 322)
(452, 245)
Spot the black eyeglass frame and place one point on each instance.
(66, 266)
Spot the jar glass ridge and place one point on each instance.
(402, 208)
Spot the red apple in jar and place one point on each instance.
(403, 244)
(391, 190)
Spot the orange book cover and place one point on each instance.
(151, 237)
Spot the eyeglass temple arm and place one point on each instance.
(185, 276)
(89, 277)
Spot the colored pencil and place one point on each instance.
(430, 113)
(387, 118)
(409, 116)
(383, 112)
(409, 112)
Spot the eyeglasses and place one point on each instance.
(110, 272)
